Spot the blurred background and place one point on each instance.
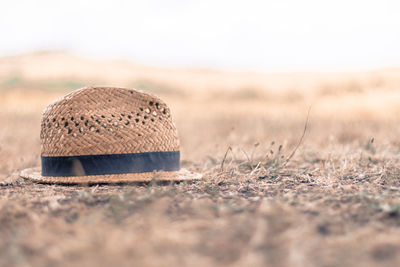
(223, 66)
(252, 35)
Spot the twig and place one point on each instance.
(300, 141)
(255, 169)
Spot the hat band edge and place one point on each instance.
(106, 164)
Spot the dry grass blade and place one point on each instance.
(300, 141)
(249, 160)
(223, 160)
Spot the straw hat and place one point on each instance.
(108, 135)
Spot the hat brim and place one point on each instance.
(35, 175)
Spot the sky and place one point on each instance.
(246, 35)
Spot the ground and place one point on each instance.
(334, 202)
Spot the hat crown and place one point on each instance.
(106, 120)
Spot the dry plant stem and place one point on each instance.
(300, 141)
(248, 159)
(226, 154)
(254, 150)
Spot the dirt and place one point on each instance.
(336, 202)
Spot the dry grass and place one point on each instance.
(335, 203)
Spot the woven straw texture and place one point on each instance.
(107, 120)
(104, 120)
